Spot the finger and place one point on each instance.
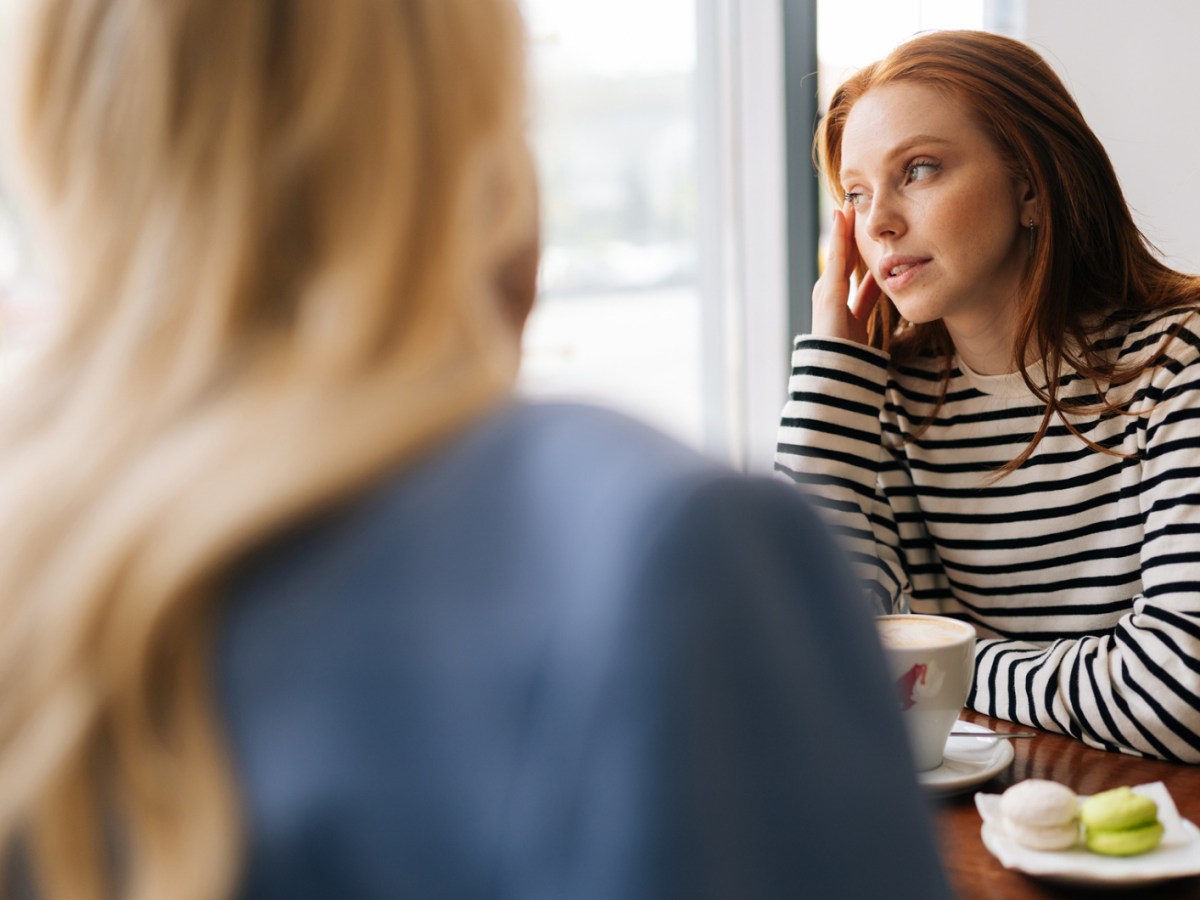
(837, 245)
(865, 298)
(850, 251)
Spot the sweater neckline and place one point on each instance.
(1010, 384)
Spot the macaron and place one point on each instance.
(1120, 823)
(1041, 815)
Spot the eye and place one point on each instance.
(854, 198)
(919, 170)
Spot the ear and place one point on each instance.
(1027, 203)
(517, 277)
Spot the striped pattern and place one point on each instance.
(1081, 570)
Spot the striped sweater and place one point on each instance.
(1080, 570)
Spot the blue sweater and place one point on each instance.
(563, 657)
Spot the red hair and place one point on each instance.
(1089, 258)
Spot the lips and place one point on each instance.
(897, 271)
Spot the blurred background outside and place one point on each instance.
(632, 312)
(662, 146)
(613, 127)
(663, 281)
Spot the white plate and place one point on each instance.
(968, 761)
(1178, 856)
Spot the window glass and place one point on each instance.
(850, 35)
(613, 128)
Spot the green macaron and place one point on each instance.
(1125, 842)
(1120, 823)
(1118, 809)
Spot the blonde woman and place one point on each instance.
(297, 601)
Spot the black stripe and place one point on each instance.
(813, 480)
(835, 402)
(1052, 685)
(1160, 714)
(1031, 673)
(1172, 418)
(831, 455)
(854, 351)
(1180, 621)
(838, 376)
(1066, 611)
(1002, 490)
(1009, 567)
(1052, 587)
(1109, 722)
(1171, 559)
(1015, 516)
(836, 429)
(1186, 657)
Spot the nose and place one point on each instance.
(884, 218)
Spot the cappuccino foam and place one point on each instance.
(913, 631)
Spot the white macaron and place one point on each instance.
(1041, 815)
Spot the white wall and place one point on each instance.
(1135, 71)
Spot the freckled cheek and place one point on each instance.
(970, 219)
(947, 214)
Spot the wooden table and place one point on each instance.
(974, 872)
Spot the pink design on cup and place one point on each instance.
(906, 682)
(922, 681)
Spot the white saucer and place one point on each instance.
(1178, 856)
(968, 761)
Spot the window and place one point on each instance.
(664, 279)
(661, 155)
(618, 314)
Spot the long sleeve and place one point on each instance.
(831, 443)
(1136, 686)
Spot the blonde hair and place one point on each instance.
(280, 221)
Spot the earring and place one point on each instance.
(1032, 229)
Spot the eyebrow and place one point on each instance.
(900, 149)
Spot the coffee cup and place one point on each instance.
(932, 659)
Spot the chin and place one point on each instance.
(917, 313)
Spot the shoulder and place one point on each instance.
(599, 485)
(539, 508)
(605, 458)
(533, 493)
(735, 556)
(601, 436)
(829, 357)
(552, 461)
(1156, 337)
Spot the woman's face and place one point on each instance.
(939, 217)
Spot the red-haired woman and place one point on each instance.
(1003, 417)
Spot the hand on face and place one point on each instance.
(834, 314)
